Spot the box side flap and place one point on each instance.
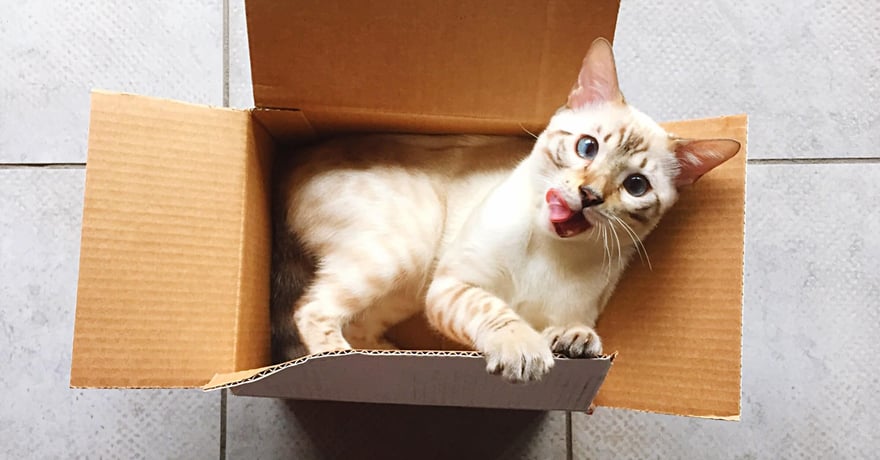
(297, 126)
(495, 59)
(285, 126)
(678, 327)
(160, 258)
(252, 327)
(421, 378)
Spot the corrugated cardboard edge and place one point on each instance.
(737, 417)
(109, 92)
(234, 379)
(422, 378)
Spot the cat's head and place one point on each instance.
(602, 163)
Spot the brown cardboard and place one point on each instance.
(175, 244)
(493, 59)
(678, 327)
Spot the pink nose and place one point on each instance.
(590, 197)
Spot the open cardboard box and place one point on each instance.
(175, 255)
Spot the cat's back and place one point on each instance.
(374, 176)
(411, 191)
(446, 156)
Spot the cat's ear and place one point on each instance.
(597, 81)
(697, 157)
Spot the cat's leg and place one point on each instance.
(322, 311)
(475, 317)
(344, 288)
(368, 333)
(368, 330)
(361, 285)
(574, 341)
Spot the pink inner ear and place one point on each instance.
(597, 81)
(697, 157)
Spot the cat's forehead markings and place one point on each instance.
(634, 143)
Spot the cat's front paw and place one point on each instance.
(577, 341)
(518, 353)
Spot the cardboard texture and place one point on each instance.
(175, 245)
(174, 270)
(422, 378)
(446, 66)
(678, 328)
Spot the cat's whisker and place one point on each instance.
(607, 252)
(631, 235)
(619, 248)
(640, 243)
(635, 244)
(527, 131)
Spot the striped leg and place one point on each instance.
(340, 292)
(475, 317)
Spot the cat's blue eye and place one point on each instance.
(587, 147)
(636, 184)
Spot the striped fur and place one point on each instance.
(376, 228)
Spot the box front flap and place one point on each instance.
(495, 59)
(419, 378)
(678, 327)
(170, 254)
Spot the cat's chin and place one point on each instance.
(572, 227)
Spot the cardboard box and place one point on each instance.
(174, 265)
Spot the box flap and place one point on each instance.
(175, 243)
(678, 327)
(430, 378)
(494, 59)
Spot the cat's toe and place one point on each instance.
(518, 357)
(576, 342)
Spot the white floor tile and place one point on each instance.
(805, 72)
(55, 53)
(811, 359)
(241, 93)
(40, 416)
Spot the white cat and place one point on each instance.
(510, 252)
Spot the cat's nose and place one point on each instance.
(590, 197)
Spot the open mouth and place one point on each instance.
(566, 222)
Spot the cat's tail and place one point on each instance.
(293, 269)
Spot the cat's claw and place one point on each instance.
(574, 341)
(517, 353)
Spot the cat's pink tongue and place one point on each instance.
(559, 210)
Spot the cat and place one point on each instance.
(509, 245)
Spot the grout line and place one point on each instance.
(223, 392)
(569, 448)
(813, 161)
(223, 397)
(42, 165)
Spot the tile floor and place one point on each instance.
(806, 73)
